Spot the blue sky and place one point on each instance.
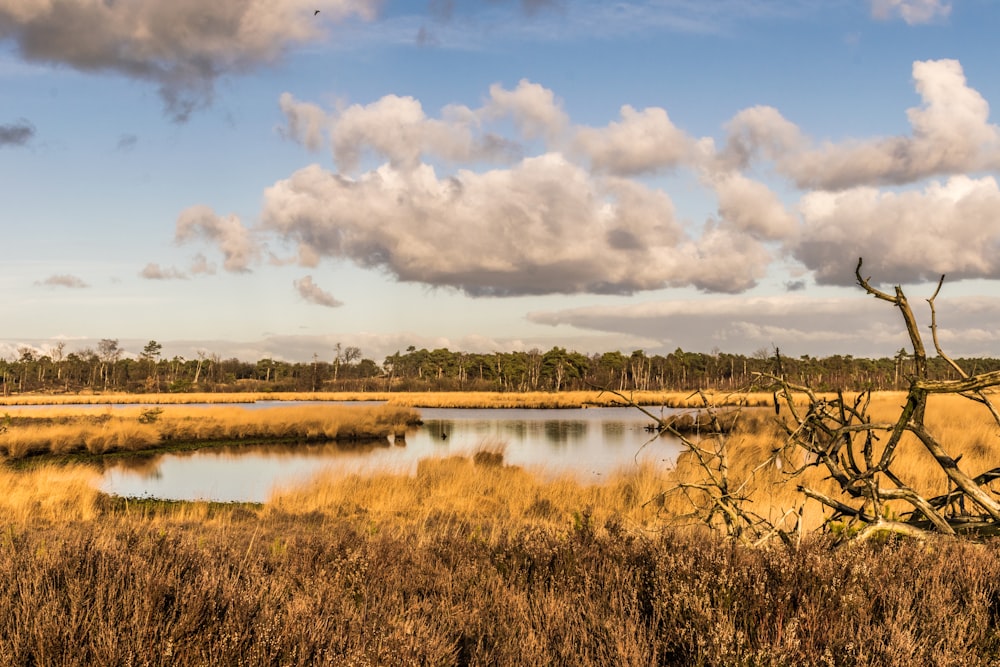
(249, 178)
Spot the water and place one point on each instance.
(587, 443)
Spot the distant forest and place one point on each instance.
(108, 368)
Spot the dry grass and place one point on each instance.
(121, 398)
(376, 579)
(458, 399)
(61, 430)
(480, 490)
(568, 399)
(472, 562)
(48, 494)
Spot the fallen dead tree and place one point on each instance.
(836, 434)
(839, 436)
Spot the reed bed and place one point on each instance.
(457, 399)
(121, 398)
(481, 490)
(48, 494)
(574, 399)
(63, 431)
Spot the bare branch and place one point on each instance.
(883, 526)
(975, 395)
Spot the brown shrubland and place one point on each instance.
(471, 561)
(463, 564)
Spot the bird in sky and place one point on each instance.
(315, 12)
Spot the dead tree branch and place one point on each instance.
(840, 437)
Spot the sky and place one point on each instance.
(268, 178)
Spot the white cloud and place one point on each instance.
(544, 226)
(760, 129)
(643, 141)
(574, 219)
(63, 280)
(228, 232)
(947, 228)
(313, 293)
(911, 11)
(396, 128)
(533, 108)
(951, 134)
(306, 121)
(751, 207)
(183, 46)
(154, 271)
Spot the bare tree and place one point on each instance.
(109, 354)
(839, 436)
(202, 354)
(57, 353)
(344, 355)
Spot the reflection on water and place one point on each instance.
(589, 444)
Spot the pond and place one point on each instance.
(590, 444)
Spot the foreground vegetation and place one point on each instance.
(463, 564)
(474, 562)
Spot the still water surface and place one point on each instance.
(589, 444)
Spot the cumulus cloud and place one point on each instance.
(573, 217)
(397, 129)
(751, 207)
(643, 141)
(760, 130)
(532, 107)
(912, 12)
(183, 46)
(306, 121)
(16, 134)
(946, 228)
(233, 239)
(951, 134)
(153, 271)
(544, 226)
(63, 280)
(313, 293)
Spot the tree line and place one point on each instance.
(108, 367)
